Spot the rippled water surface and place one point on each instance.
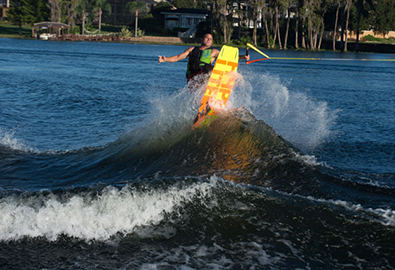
(100, 169)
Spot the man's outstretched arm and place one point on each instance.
(175, 58)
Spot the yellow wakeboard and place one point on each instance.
(220, 84)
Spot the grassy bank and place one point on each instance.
(8, 30)
(372, 39)
(13, 31)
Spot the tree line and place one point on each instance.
(268, 23)
(299, 23)
(65, 11)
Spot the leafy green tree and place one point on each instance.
(42, 11)
(200, 4)
(136, 6)
(35, 11)
(16, 13)
(153, 22)
(101, 5)
(363, 7)
(383, 15)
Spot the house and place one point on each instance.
(184, 18)
(4, 6)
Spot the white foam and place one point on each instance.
(114, 211)
(8, 139)
(307, 159)
(384, 216)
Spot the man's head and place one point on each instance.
(207, 40)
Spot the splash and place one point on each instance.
(8, 139)
(297, 117)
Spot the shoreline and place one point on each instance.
(365, 47)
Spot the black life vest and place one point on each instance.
(199, 62)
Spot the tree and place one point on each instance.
(320, 9)
(383, 16)
(228, 23)
(136, 6)
(56, 10)
(102, 5)
(362, 11)
(264, 18)
(83, 8)
(347, 11)
(240, 16)
(221, 15)
(338, 5)
(276, 4)
(71, 11)
(299, 4)
(256, 8)
(287, 3)
(34, 11)
(43, 11)
(16, 14)
(190, 3)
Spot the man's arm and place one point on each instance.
(215, 53)
(175, 58)
(244, 57)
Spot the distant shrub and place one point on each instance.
(76, 30)
(370, 38)
(140, 33)
(125, 33)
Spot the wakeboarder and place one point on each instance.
(200, 58)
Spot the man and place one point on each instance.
(200, 58)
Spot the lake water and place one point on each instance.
(100, 169)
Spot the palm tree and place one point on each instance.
(362, 12)
(83, 8)
(136, 6)
(338, 5)
(287, 4)
(102, 5)
(71, 12)
(256, 7)
(347, 11)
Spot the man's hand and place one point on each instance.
(244, 57)
(162, 59)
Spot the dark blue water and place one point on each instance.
(100, 169)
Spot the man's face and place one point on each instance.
(207, 40)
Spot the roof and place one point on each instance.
(186, 11)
